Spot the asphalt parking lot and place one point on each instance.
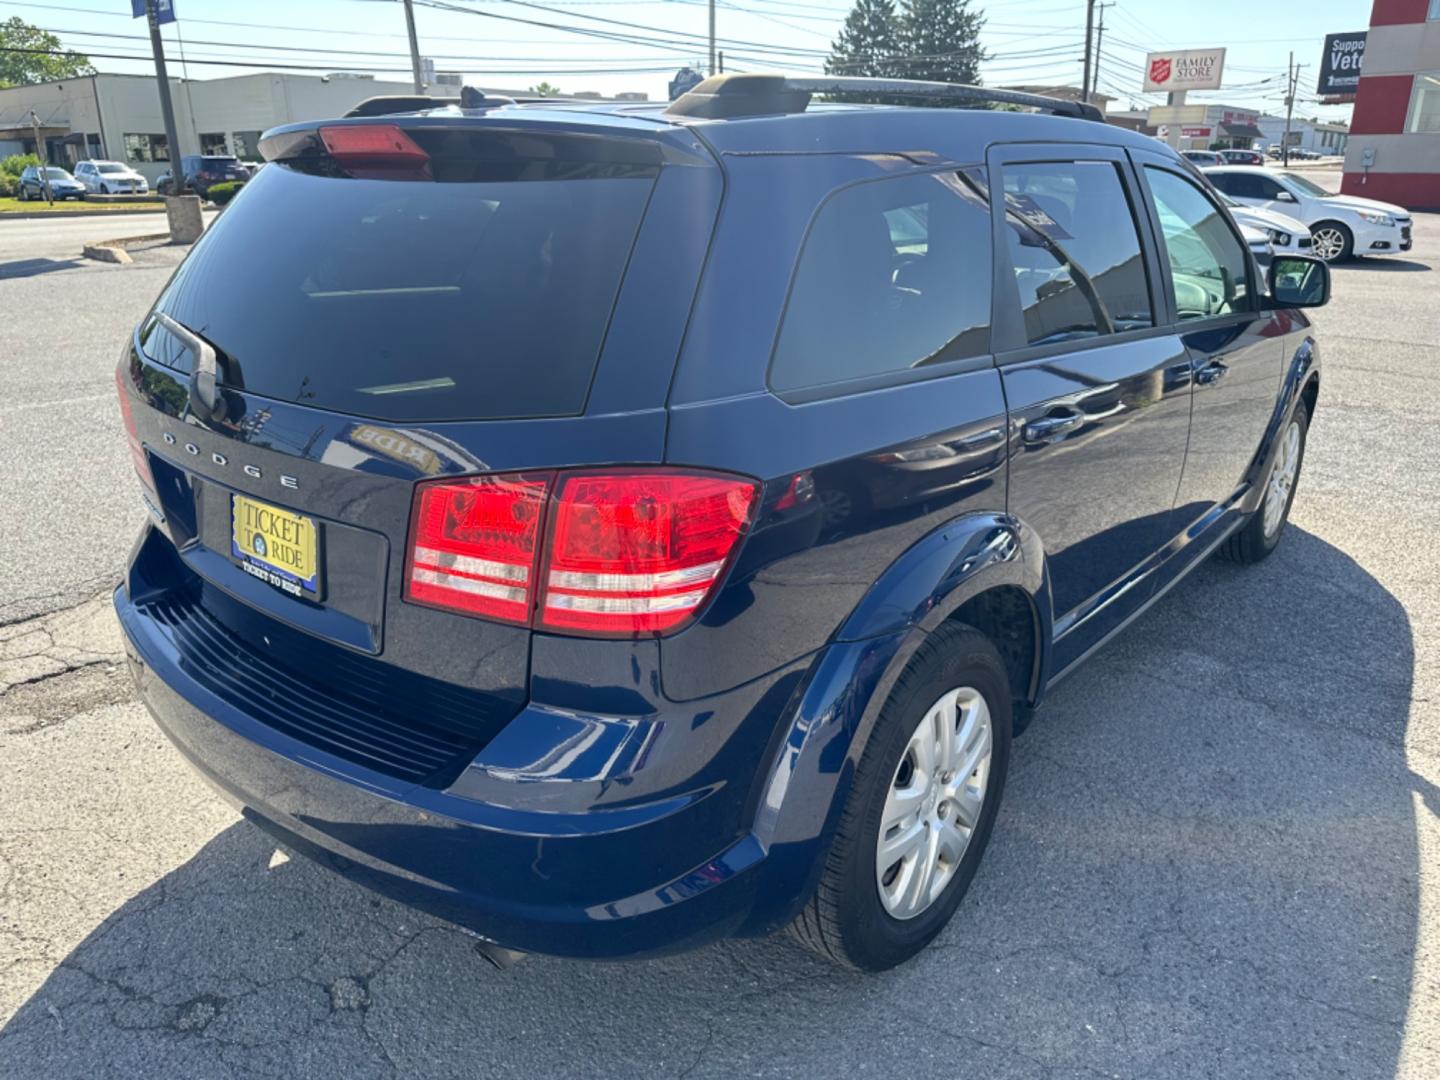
(1219, 852)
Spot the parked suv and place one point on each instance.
(111, 178)
(201, 172)
(615, 528)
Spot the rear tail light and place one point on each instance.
(132, 434)
(376, 151)
(473, 545)
(624, 554)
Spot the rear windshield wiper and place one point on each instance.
(205, 396)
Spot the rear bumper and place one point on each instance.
(551, 882)
(570, 833)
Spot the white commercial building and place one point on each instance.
(1315, 135)
(118, 116)
(1202, 126)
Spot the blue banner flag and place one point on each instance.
(164, 10)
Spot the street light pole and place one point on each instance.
(1289, 111)
(44, 159)
(712, 38)
(167, 107)
(414, 46)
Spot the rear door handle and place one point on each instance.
(1050, 428)
(1211, 373)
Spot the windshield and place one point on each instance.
(1307, 186)
(412, 300)
(57, 174)
(109, 167)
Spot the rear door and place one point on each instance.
(1098, 387)
(1236, 349)
(515, 305)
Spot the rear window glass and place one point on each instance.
(409, 300)
(895, 275)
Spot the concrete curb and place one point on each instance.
(113, 251)
(24, 215)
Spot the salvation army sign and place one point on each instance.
(1192, 69)
(1340, 64)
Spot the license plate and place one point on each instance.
(276, 545)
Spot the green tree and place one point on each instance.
(44, 59)
(940, 40)
(545, 89)
(868, 42)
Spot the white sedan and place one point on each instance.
(110, 178)
(1340, 225)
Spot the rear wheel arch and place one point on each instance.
(1310, 394)
(1008, 616)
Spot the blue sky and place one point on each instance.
(638, 44)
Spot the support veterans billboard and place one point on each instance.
(1340, 64)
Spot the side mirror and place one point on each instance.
(1298, 281)
(1285, 196)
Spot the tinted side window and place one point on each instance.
(895, 275)
(1075, 250)
(1209, 268)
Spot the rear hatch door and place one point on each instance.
(513, 301)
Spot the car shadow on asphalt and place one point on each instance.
(33, 267)
(1206, 864)
(1382, 263)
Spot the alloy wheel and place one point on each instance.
(1282, 479)
(1327, 244)
(934, 803)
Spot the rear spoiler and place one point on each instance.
(389, 104)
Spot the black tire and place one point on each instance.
(1347, 247)
(1250, 543)
(845, 921)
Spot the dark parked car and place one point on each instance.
(495, 557)
(62, 184)
(1242, 157)
(203, 172)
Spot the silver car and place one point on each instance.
(110, 178)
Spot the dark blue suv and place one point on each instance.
(614, 527)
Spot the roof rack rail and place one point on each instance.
(731, 96)
(389, 104)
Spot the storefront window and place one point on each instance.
(247, 145)
(146, 147)
(212, 143)
(1425, 102)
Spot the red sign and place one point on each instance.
(1160, 70)
(1195, 132)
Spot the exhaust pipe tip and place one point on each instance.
(501, 958)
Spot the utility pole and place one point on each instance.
(712, 38)
(44, 159)
(167, 107)
(414, 46)
(1089, 43)
(1099, 40)
(720, 60)
(1289, 111)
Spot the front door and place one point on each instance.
(1098, 389)
(1236, 348)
